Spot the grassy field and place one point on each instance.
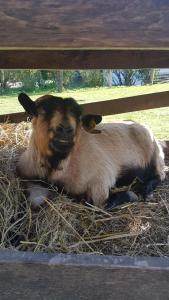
(157, 119)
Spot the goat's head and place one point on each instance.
(56, 123)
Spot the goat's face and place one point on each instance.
(56, 123)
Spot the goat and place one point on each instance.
(65, 150)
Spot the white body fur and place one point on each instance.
(95, 163)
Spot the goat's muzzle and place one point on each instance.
(62, 140)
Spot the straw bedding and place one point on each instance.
(62, 225)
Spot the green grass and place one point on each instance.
(157, 119)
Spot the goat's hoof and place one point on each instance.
(132, 196)
(36, 201)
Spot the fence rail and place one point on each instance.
(63, 276)
(83, 59)
(109, 107)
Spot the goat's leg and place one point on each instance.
(119, 198)
(37, 194)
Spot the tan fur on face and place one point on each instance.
(77, 137)
(55, 120)
(41, 135)
(59, 117)
(72, 121)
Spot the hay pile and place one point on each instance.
(65, 226)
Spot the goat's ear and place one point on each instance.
(90, 121)
(28, 105)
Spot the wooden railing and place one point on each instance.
(109, 107)
(83, 59)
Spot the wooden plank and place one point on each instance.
(109, 107)
(59, 276)
(83, 59)
(14, 118)
(80, 24)
(128, 104)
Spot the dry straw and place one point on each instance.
(62, 225)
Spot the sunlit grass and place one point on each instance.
(157, 119)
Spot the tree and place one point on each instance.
(147, 76)
(4, 77)
(59, 80)
(125, 77)
(91, 77)
(152, 75)
(107, 78)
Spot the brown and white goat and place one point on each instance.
(64, 151)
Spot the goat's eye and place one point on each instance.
(42, 113)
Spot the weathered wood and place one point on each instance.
(84, 24)
(83, 59)
(14, 117)
(109, 107)
(37, 29)
(58, 276)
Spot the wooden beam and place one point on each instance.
(90, 24)
(59, 276)
(109, 107)
(128, 104)
(83, 59)
(14, 117)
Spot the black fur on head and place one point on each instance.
(28, 104)
(48, 104)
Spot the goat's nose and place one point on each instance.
(65, 129)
